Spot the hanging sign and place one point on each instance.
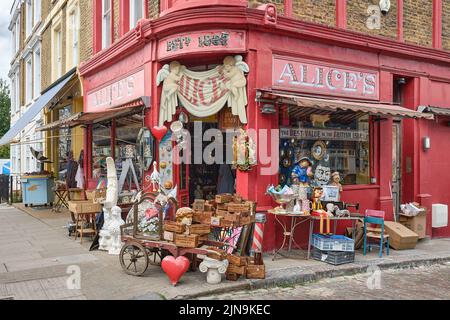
(323, 134)
(117, 93)
(204, 93)
(305, 76)
(201, 41)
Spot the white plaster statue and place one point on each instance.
(170, 76)
(155, 177)
(214, 269)
(112, 195)
(115, 243)
(233, 69)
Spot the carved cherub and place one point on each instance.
(233, 70)
(170, 75)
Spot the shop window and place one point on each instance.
(101, 149)
(126, 134)
(334, 142)
(64, 140)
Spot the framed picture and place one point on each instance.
(331, 193)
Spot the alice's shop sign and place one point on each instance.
(202, 41)
(117, 93)
(310, 77)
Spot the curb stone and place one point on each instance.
(304, 278)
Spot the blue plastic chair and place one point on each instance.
(375, 217)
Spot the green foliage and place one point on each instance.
(5, 115)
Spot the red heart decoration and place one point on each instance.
(175, 268)
(159, 132)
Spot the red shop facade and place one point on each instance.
(359, 93)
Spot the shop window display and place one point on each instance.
(337, 142)
(101, 149)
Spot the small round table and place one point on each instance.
(288, 234)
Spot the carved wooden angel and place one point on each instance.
(170, 75)
(233, 69)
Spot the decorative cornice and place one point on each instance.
(252, 19)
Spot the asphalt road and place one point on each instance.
(430, 282)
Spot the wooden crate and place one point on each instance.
(187, 241)
(202, 217)
(85, 206)
(203, 238)
(239, 207)
(233, 276)
(200, 229)
(198, 205)
(173, 226)
(221, 213)
(216, 253)
(209, 207)
(237, 198)
(235, 217)
(246, 220)
(224, 223)
(242, 270)
(96, 196)
(224, 198)
(222, 206)
(215, 221)
(237, 260)
(256, 271)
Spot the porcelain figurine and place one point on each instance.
(336, 180)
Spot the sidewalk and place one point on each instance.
(35, 252)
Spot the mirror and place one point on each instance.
(145, 148)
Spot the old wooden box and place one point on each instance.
(169, 236)
(237, 260)
(187, 241)
(202, 217)
(239, 207)
(198, 205)
(400, 237)
(216, 253)
(173, 226)
(233, 276)
(242, 270)
(96, 196)
(200, 229)
(224, 198)
(256, 271)
(85, 206)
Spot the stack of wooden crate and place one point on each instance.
(226, 210)
(186, 236)
(248, 267)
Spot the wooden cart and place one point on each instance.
(139, 250)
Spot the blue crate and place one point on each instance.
(333, 243)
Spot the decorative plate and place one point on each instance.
(318, 150)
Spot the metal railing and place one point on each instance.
(10, 189)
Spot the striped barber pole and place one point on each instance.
(258, 234)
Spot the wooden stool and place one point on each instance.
(81, 218)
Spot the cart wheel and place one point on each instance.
(154, 256)
(134, 259)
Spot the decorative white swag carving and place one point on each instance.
(204, 93)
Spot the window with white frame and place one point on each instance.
(37, 11)
(13, 95)
(74, 35)
(136, 12)
(57, 53)
(17, 35)
(29, 80)
(13, 41)
(37, 72)
(106, 24)
(17, 92)
(29, 17)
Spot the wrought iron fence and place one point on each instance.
(10, 189)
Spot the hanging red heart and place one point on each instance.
(159, 132)
(175, 268)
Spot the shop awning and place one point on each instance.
(329, 105)
(435, 110)
(36, 107)
(83, 118)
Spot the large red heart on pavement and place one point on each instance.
(175, 268)
(159, 132)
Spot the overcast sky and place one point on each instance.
(5, 38)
